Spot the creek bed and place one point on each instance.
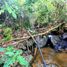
(51, 57)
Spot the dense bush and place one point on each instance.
(46, 10)
(36, 11)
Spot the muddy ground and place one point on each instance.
(51, 57)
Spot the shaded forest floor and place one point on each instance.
(49, 54)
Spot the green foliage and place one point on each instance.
(13, 10)
(37, 11)
(45, 11)
(1, 49)
(10, 6)
(7, 32)
(10, 10)
(12, 55)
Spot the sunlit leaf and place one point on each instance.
(22, 60)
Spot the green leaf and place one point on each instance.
(8, 7)
(9, 53)
(10, 10)
(14, 15)
(9, 48)
(8, 62)
(22, 60)
(1, 11)
(19, 52)
(1, 49)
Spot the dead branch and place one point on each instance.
(46, 32)
(39, 34)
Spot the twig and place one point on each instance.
(22, 38)
(27, 37)
(44, 63)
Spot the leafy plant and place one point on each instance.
(10, 6)
(37, 11)
(7, 32)
(45, 11)
(11, 55)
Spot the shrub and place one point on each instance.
(10, 55)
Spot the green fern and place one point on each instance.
(12, 55)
